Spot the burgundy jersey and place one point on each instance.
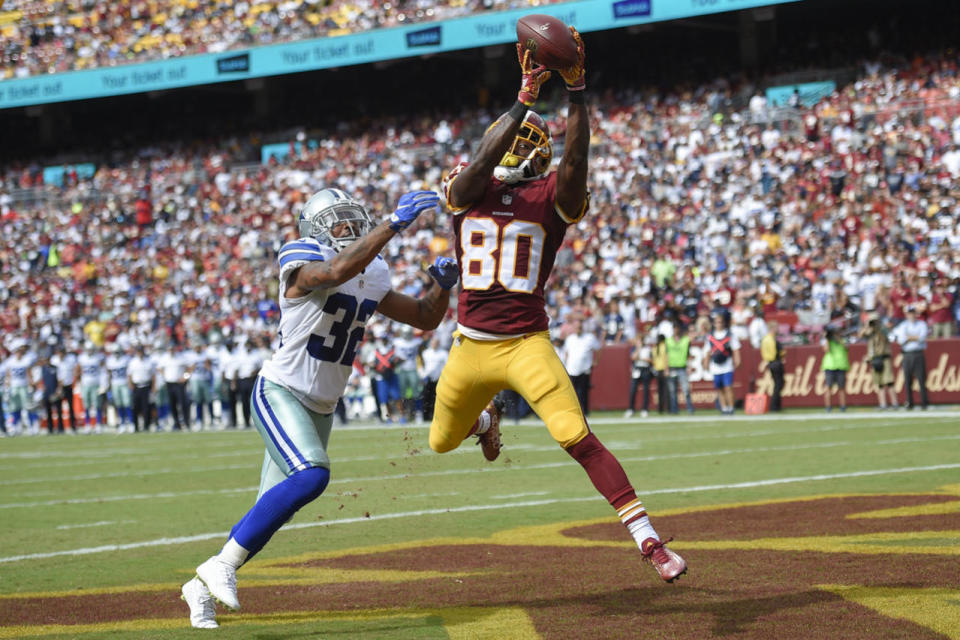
(506, 244)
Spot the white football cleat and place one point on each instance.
(221, 580)
(203, 610)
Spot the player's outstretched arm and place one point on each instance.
(572, 172)
(427, 312)
(357, 255)
(470, 184)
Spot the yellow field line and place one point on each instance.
(460, 623)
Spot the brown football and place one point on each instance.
(548, 39)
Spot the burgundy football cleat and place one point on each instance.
(489, 440)
(668, 564)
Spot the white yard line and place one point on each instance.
(618, 446)
(163, 542)
(102, 523)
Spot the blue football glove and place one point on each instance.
(412, 205)
(444, 271)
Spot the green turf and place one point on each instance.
(68, 494)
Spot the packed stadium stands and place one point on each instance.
(809, 215)
(38, 37)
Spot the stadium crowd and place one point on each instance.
(811, 217)
(39, 37)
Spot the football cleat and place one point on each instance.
(221, 580)
(489, 440)
(668, 564)
(203, 611)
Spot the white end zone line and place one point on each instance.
(162, 542)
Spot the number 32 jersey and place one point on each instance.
(506, 244)
(321, 331)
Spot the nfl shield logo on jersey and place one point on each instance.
(507, 198)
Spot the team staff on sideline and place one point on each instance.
(175, 368)
(641, 373)
(880, 357)
(835, 364)
(772, 355)
(581, 349)
(52, 393)
(67, 373)
(141, 373)
(678, 357)
(331, 283)
(434, 358)
(912, 336)
(510, 214)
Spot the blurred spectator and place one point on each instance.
(940, 310)
(721, 358)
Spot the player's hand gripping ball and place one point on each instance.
(532, 79)
(575, 74)
(444, 271)
(549, 40)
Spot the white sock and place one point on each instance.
(641, 529)
(233, 554)
(484, 421)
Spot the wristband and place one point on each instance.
(576, 97)
(518, 111)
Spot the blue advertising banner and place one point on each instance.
(360, 48)
(810, 93)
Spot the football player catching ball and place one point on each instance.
(510, 214)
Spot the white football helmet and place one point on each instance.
(515, 167)
(330, 208)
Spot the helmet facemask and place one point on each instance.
(516, 166)
(334, 218)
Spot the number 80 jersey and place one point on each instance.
(506, 244)
(321, 331)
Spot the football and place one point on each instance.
(548, 39)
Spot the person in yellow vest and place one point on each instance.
(835, 365)
(772, 355)
(660, 366)
(678, 355)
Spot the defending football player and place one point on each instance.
(331, 283)
(510, 214)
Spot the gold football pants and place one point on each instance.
(477, 369)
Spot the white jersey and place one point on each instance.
(19, 369)
(407, 349)
(321, 331)
(90, 367)
(66, 368)
(117, 366)
(215, 354)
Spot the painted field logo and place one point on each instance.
(632, 9)
(753, 573)
(424, 37)
(234, 64)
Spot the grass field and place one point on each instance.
(787, 522)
